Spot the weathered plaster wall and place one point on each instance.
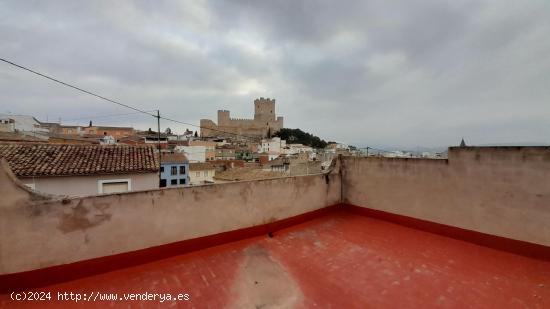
(503, 191)
(88, 185)
(498, 191)
(37, 233)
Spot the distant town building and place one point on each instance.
(397, 154)
(107, 140)
(337, 146)
(210, 148)
(201, 173)
(224, 165)
(116, 132)
(80, 170)
(265, 157)
(24, 124)
(90, 130)
(292, 149)
(174, 170)
(264, 124)
(272, 145)
(226, 152)
(54, 138)
(150, 138)
(246, 155)
(240, 174)
(7, 124)
(195, 154)
(17, 138)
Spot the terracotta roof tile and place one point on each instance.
(201, 166)
(173, 158)
(67, 160)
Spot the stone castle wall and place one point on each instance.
(264, 122)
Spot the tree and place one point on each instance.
(301, 137)
(168, 131)
(196, 134)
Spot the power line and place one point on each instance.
(75, 87)
(212, 129)
(104, 116)
(373, 148)
(115, 102)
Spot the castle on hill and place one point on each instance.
(265, 122)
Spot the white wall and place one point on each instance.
(273, 145)
(38, 232)
(88, 185)
(195, 179)
(193, 153)
(26, 123)
(503, 191)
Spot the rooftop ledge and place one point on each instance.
(486, 211)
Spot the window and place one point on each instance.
(205, 173)
(162, 169)
(162, 183)
(174, 170)
(182, 181)
(182, 169)
(198, 174)
(174, 182)
(114, 185)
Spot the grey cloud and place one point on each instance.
(401, 73)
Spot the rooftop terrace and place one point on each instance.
(339, 260)
(473, 231)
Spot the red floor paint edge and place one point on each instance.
(496, 242)
(67, 272)
(61, 273)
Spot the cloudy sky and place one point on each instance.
(381, 73)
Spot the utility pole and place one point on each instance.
(158, 141)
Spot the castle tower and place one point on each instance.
(264, 109)
(265, 122)
(223, 117)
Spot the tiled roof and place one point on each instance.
(17, 137)
(69, 160)
(109, 128)
(173, 158)
(244, 173)
(69, 137)
(200, 166)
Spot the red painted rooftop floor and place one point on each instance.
(341, 260)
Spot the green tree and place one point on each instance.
(297, 136)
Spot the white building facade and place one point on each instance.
(201, 173)
(272, 145)
(195, 154)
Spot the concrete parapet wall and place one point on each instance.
(502, 191)
(498, 191)
(38, 231)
